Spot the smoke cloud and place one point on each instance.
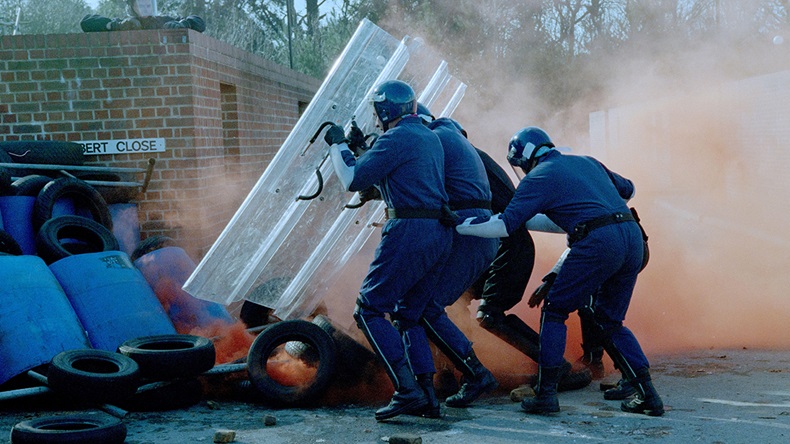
(701, 130)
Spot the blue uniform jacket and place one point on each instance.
(464, 173)
(408, 174)
(568, 189)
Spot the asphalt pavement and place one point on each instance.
(711, 396)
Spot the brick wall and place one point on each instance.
(223, 114)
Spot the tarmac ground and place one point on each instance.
(711, 396)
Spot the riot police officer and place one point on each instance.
(406, 164)
(587, 200)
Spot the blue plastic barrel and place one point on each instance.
(18, 220)
(166, 270)
(111, 298)
(125, 225)
(36, 319)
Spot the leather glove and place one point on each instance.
(370, 193)
(335, 135)
(543, 289)
(127, 24)
(356, 140)
(175, 25)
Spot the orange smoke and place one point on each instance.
(288, 370)
(231, 341)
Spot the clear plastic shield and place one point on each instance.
(286, 244)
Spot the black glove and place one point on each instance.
(127, 24)
(335, 135)
(370, 193)
(173, 24)
(356, 140)
(543, 289)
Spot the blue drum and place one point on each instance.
(36, 319)
(111, 298)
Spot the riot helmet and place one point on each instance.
(392, 100)
(526, 146)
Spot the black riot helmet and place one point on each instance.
(393, 99)
(526, 146)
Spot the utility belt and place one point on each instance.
(470, 204)
(445, 215)
(582, 229)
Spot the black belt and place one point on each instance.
(469, 204)
(582, 229)
(445, 215)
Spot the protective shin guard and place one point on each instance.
(514, 331)
(457, 357)
(545, 401)
(472, 388)
(646, 401)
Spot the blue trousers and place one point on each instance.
(469, 257)
(407, 264)
(609, 259)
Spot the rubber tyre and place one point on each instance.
(81, 428)
(164, 357)
(29, 185)
(96, 376)
(53, 152)
(280, 333)
(83, 194)
(353, 359)
(177, 394)
(91, 236)
(152, 243)
(9, 245)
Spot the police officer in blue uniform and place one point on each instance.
(469, 195)
(406, 164)
(587, 200)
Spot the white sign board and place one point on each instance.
(122, 146)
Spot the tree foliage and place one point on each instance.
(563, 49)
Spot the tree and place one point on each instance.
(47, 17)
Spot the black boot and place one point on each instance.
(646, 400)
(573, 380)
(475, 384)
(622, 390)
(409, 397)
(432, 409)
(545, 401)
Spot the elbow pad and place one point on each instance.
(344, 172)
(490, 227)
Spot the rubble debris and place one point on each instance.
(224, 436)
(521, 392)
(405, 439)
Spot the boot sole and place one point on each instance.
(413, 408)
